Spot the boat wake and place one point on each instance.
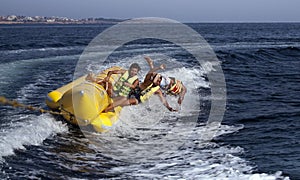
(164, 152)
(27, 130)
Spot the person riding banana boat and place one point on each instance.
(125, 84)
(142, 92)
(170, 85)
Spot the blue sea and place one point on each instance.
(258, 137)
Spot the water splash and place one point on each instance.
(28, 130)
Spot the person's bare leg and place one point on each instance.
(109, 108)
(150, 62)
(121, 101)
(116, 102)
(109, 89)
(151, 65)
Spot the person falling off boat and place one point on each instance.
(170, 85)
(142, 92)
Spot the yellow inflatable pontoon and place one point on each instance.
(82, 102)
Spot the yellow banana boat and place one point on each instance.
(82, 102)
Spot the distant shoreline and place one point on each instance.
(16, 19)
(42, 20)
(53, 23)
(116, 22)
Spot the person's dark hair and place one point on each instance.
(135, 65)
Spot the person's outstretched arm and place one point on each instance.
(182, 94)
(132, 86)
(164, 100)
(106, 79)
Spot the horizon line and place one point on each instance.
(185, 22)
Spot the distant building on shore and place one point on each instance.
(14, 19)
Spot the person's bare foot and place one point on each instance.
(90, 77)
(108, 110)
(162, 66)
(149, 61)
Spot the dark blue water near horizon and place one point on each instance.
(261, 65)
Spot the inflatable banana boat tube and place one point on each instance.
(82, 102)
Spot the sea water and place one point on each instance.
(258, 137)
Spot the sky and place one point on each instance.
(179, 10)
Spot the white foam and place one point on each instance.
(28, 130)
(182, 155)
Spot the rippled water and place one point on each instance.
(258, 138)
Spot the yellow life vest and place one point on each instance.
(120, 88)
(148, 92)
(175, 89)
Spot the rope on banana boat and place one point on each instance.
(16, 104)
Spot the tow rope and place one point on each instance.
(16, 104)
